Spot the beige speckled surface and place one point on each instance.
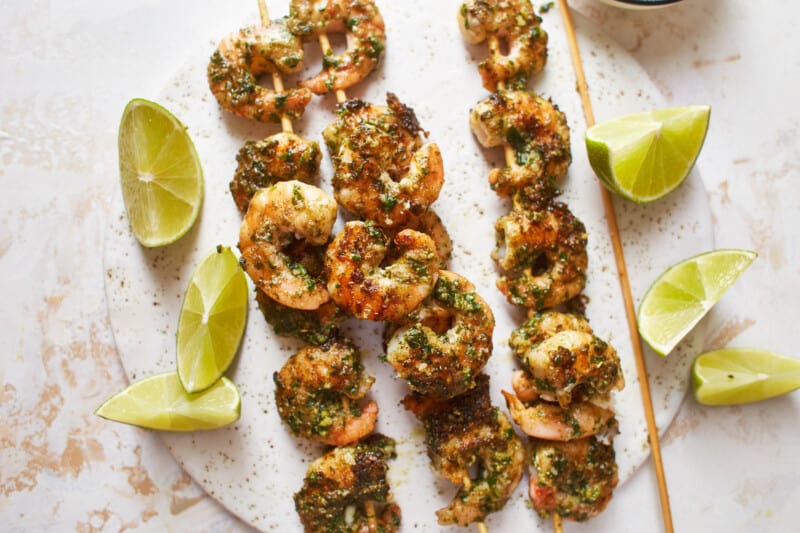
(68, 70)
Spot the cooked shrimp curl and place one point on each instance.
(366, 37)
(569, 366)
(550, 421)
(244, 56)
(317, 392)
(544, 253)
(382, 170)
(543, 324)
(360, 283)
(534, 128)
(431, 225)
(517, 23)
(277, 217)
(280, 157)
(574, 480)
(467, 431)
(339, 485)
(443, 345)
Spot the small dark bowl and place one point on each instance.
(640, 4)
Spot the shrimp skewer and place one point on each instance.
(280, 157)
(390, 518)
(535, 138)
(383, 171)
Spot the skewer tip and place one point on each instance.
(263, 12)
(558, 527)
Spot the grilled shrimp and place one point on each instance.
(277, 217)
(442, 346)
(317, 393)
(541, 325)
(382, 170)
(545, 252)
(339, 484)
(280, 157)
(517, 23)
(552, 422)
(360, 285)
(431, 225)
(535, 129)
(572, 479)
(366, 38)
(314, 326)
(244, 56)
(464, 431)
(570, 365)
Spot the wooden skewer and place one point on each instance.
(557, 526)
(325, 44)
(277, 81)
(619, 256)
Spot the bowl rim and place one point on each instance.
(643, 2)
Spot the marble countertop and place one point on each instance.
(68, 70)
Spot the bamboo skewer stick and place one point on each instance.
(325, 44)
(494, 47)
(619, 256)
(277, 80)
(557, 526)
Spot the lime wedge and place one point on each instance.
(162, 181)
(645, 156)
(212, 320)
(160, 402)
(684, 293)
(742, 375)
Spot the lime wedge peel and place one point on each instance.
(160, 173)
(645, 156)
(160, 402)
(685, 292)
(212, 320)
(743, 375)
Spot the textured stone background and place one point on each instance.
(69, 68)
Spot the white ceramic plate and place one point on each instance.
(255, 466)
